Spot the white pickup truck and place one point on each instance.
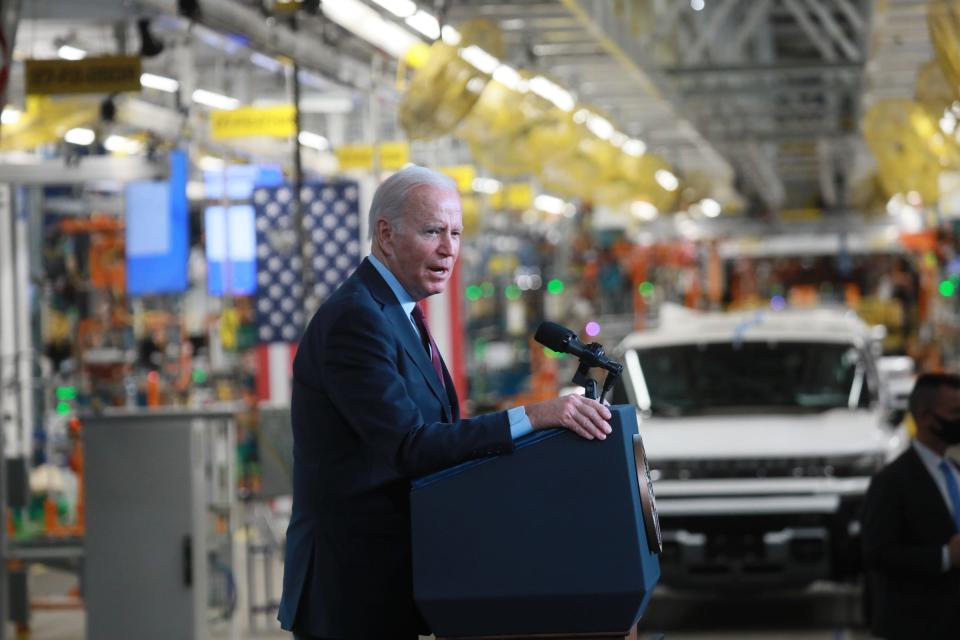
(762, 431)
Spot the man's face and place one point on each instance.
(944, 416)
(423, 250)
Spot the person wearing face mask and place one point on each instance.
(911, 524)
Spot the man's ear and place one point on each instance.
(384, 236)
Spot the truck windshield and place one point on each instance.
(722, 378)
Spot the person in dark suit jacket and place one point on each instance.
(911, 524)
(374, 406)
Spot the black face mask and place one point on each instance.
(947, 430)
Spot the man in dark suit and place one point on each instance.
(911, 524)
(373, 407)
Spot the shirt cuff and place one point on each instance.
(520, 423)
(945, 562)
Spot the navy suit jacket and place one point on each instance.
(368, 415)
(905, 525)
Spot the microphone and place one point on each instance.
(563, 340)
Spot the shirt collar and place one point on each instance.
(404, 298)
(929, 457)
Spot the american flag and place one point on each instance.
(331, 221)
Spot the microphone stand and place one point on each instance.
(582, 376)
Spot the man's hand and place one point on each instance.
(954, 548)
(586, 418)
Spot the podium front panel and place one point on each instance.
(550, 539)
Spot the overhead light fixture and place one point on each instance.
(122, 144)
(634, 147)
(425, 24)
(210, 163)
(367, 23)
(266, 62)
(697, 5)
(480, 59)
(553, 93)
(450, 35)
(508, 77)
(666, 180)
(70, 52)
(80, 136)
(160, 83)
(215, 100)
(643, 210)
(10, 115)
(399, 8)
(600, 126)
(313, 140)
(710, 207)
(550, 204)
(486, 185)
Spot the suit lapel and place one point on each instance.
(921, 477)
(403, 329)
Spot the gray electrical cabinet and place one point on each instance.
(155, 482)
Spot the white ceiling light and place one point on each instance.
(10, 115)
(313, 140)
(80, 136)
(425, 24)
(480, 59)
(710, 207)
(450, 35)
(508, 77)
(160, 83)
(550, 204)
(600, 126)
(266, 62)
(643, 210)
(209, 163)
(486, 185)
(367, 23)
(69, 52)
(122, 144)
(618, 139)
(634, 147)
(399, 8)
(697, 5)
(215, 100)
(552, 92)
(666, 180)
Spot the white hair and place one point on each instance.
(390, 199)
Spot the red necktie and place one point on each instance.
(428, 342)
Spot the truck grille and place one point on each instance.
(805, 467)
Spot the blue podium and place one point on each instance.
(559, 538)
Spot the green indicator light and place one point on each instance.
(474, 292)
(512, 292)
(550, 353)
(63, 408)
(487, 289)
(646, 289)
(555, 286)
(947, 288)
(199, 376)
(66, 393)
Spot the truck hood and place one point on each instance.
(838, 432)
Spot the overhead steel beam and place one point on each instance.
(857, 21)
(830, 24)
(613, 33)
(778, 69)
(715, 18)
(800, 14)
(756, 11)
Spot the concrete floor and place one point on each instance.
(823, 613)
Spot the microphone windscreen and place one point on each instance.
(553, 336)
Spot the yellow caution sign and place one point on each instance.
(110, 74)
(355, 156)
(394, 155)
(463, 175)
(517, 196)
(247, 122)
